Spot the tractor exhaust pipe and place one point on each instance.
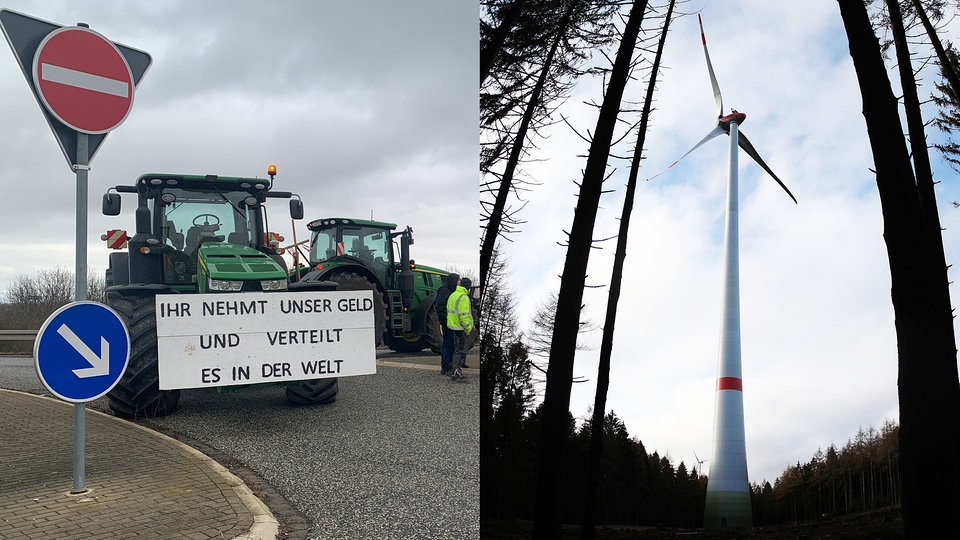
(406, 272)
(145, 267)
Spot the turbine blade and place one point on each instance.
(713, 78)
(716, 131)
(752, 152)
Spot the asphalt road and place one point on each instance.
(397, 456)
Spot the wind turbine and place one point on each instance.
(728, 490)
(697, 471)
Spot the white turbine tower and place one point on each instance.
(728, 490)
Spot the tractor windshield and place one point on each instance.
(191, 218)
(369, 244)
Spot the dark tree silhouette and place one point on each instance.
(948, 119)
(556, 404)
(565, 32)
(928, 382)
(921, 162)
(505, 16)
(613, 298)
(947, 67)
(496, 215)
(506, 396)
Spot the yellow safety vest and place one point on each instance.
(458, 311)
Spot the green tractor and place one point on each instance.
(360, 254)
(194, 234)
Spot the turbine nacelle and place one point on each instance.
(734, 117)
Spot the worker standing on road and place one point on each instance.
(443, 294)
(460, 323)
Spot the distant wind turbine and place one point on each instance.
(728, 489)
(698, 470)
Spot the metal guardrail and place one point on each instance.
(18, 335)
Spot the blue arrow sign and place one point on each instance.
(81, 351)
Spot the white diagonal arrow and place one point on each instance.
(99, 365)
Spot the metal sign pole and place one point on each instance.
(82, 167)
(70, 112)
(79, 409)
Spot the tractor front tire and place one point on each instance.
(138, 393)
(313, 392)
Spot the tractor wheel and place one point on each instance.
(432, 332)
(408, 343)
(313, 392)
(350, 281)
(431, 338)
(411, 342)
(138, 393)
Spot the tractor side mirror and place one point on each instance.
(296, 209)
(111, 204)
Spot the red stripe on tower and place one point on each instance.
(730, 383)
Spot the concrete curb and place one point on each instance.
(265, 525)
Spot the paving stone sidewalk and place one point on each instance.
(140, 483)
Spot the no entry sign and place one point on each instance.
(83, 93)
(83, 80)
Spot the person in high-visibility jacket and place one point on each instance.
(460, 323)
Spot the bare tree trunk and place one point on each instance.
(923, 171)
(927, 383)
(616, 279)
(492, 230)
(556, 404)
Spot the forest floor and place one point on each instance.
(878, 525)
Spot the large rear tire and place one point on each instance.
(138, 393)
(409, 343)
(432, 332)
(313, 392)
(350, 281)
(431, 338)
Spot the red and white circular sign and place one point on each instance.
(83, 80)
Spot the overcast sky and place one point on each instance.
(367, 108)
(819, 351)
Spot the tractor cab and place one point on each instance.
(201, 233)
(368, 243)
